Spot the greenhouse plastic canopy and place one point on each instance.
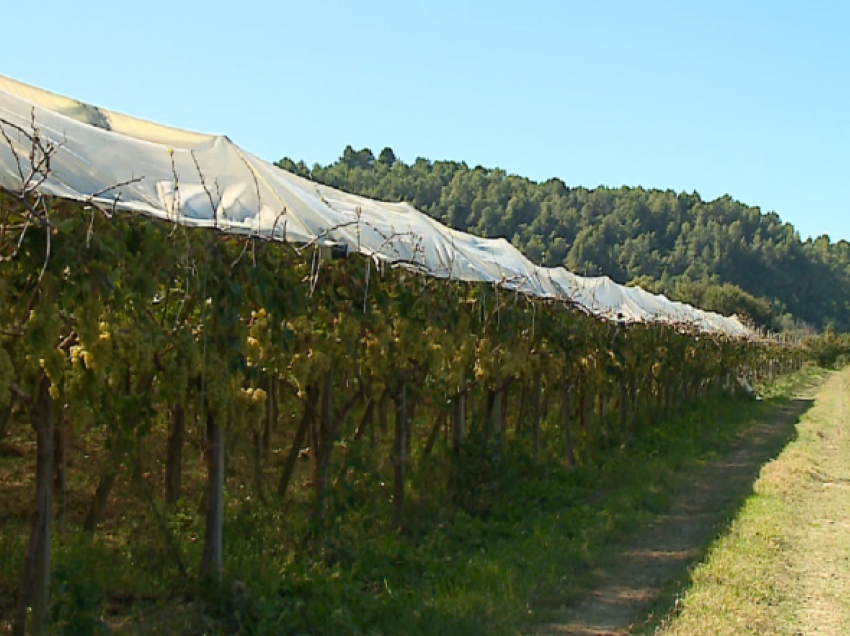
(117, 162)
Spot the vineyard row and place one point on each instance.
(118, 324)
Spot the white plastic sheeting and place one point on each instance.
(115, 161)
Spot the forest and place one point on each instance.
(721, 255)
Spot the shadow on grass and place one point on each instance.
(657, 567)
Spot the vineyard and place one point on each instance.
(214, 379)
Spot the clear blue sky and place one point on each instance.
(746, 98)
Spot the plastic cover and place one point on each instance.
(114, 161)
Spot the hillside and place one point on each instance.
(721, 255)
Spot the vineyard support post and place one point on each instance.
(323, 440)
(603, 412)
(585, 409)
(411, 402)
(633, 390)
(35, 584)
(496, 413)
(536, 415)
(458, 420)
(569, 451)
(257, 461)
(623, 405)
(212, 559)
(61, 438)
(174, 457)
(399, 449)
(523, 405)
(383, 411)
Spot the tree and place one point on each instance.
(387, 157)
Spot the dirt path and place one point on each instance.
(784, 566)
(639, 572)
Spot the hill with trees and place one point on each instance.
(722, 255)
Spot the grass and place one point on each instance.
(520, 541)
(781, 568)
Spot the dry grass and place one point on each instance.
(784, 565)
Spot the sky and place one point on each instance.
(746, 98)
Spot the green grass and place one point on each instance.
(527, 547)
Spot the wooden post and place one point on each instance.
(633, 383)
(271, 417)
(399, 449)
(536, 405)
(5, 418)
(35, 584)
(523, 399)
(496, 414)
(506, 394)
(323, 441)
(569, 451)
(458, 420)
(383, 408)
(411, 403)
(174, 457)
(257, 461)
(60, 486)
(603, 413)
(624, 405)
(212, 558)
(583, 415)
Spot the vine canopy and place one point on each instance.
(57, 146)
